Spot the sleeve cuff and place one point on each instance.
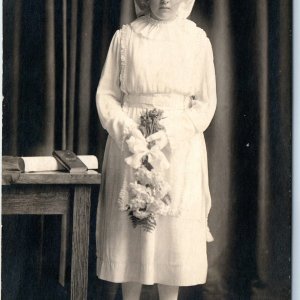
(129, 126)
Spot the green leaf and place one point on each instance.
(148, 224)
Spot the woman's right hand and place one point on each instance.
(135, 140)
(159, 138)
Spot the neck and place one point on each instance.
(162, 20)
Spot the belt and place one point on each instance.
(169, 101)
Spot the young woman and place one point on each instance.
(164, 61)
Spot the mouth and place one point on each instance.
(165, 8)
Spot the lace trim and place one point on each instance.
(159, 22)
(173, 30)
(123, 54)
(123, 198)
(175, 212)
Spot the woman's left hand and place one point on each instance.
(159, 139)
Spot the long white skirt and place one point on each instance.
(175, 252)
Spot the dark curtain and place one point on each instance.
(53, 54)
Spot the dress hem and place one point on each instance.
(123, 273)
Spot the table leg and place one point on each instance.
(80, 242)
(63, 248)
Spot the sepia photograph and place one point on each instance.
(147, 150)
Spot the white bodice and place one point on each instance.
(154, 57)
(163, 57)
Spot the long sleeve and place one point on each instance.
(198, 117)
(109, 96)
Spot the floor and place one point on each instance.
(25, 275)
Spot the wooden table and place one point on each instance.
(51, 193)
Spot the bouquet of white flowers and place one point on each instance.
(149, 193)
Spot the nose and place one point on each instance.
(164, 2)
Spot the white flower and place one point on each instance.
(148, 193)
(136, 203)
(142, 195)
(141, 214)
(144, 176)
(160, 188)
(139, 190)
(158, 207)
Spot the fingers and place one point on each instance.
(160, 138)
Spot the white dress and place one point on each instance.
(158, 64)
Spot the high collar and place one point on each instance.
(152, 20)
(171, 30)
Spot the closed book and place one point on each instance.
(70, 161)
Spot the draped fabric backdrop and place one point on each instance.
(53, 55)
